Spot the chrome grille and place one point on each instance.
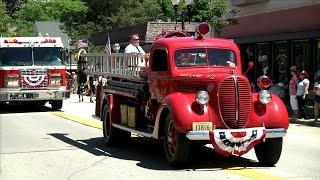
(234, 102)
(27, 77)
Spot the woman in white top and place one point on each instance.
(302, 91)
(316, 90)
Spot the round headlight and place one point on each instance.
(265, 96)
(202, 97)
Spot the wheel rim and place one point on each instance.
(172, 139)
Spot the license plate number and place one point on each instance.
(202, 126)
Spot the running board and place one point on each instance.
(140, 131)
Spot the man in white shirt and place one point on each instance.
(134, 47)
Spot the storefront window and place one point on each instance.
(263, 59)
(317, 62)
(280, 67)
(301, 51)
(247, 55)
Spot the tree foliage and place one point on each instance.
(4, 20)
(81, 18)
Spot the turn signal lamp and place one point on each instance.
(12, 80)
(264, 81)
(55, 79)
(10, 41)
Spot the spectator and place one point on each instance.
(317, 74)
(273, 87)
(134, 47)
(302, 91)
(293, 85)
(254, 87)
(91, 88)
(316, 90)
(279, 91)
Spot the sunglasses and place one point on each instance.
(136, 39)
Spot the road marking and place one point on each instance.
(253, 174)
(78, 119)
(249, 173)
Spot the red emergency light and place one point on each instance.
(50, 41)
(10, 41)
(202, 29)
(264, 81)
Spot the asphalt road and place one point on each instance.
(40, 145)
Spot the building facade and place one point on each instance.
(277, 34)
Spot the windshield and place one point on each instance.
(16, 56)
(44, 56)
(205, 57)
(47, 56)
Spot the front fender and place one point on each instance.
(272, 115)
(185, 110)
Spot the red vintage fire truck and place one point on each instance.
(33, 71)
(191, 91)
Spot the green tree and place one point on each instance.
(69, 12)
(4, 21)
(214, 12)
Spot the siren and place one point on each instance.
(202, 29)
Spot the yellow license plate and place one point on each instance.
(202, 126)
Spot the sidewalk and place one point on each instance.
(86, 110)
(83, 109)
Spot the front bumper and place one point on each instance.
(204, 135)
(33, 95)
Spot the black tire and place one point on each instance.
(269, 152)
(56, 105)
(112, 136)
(176, 144)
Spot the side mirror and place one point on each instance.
(250, 66)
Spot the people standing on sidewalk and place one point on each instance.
(302, 91)
(91, 87)
(316, 90)
(293, 85)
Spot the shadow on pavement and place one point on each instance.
(150, 154)
(23, 108)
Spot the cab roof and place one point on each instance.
(193, 42)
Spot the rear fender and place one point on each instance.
(272, 115)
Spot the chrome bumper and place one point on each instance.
(204, 135)
(33, 95)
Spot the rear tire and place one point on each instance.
(269, 152)
(57, 104)
(112, 136)
(176, 144)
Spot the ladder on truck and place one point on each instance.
(120, 65)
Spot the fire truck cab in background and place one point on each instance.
(33, 71)
(191, 91)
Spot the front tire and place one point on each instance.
(176, 144)
(56, 105)
(269, 152)
(112, 135)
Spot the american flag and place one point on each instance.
(83, 43)
(108, 46)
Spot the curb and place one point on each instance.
(305, 122)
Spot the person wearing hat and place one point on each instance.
(316, 90)
(293, 85)
(302, 91)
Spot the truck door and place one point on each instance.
(159, 75)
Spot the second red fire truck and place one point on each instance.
(190, 91)
(33, 71)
